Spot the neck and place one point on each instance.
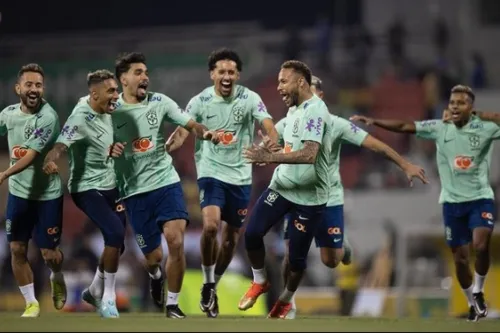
(463, 122)
(26, 109)
(130, 98)
(304, 96)
(93, 105)
(217, 92)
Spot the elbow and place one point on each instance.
(310, 159)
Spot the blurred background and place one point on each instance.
(382, 58)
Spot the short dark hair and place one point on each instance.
(299, 67)
(99, 76)
(465, 90)
(34, 68)
(224, 54)
(316, 81)
(123, 62)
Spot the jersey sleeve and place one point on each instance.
(349, 131)
(75, 129)
(259, 110)
(428, 129)
(46, 128)
(172, 112)
(280, 128)
(194, 109)
(315, 124)
(3, 123)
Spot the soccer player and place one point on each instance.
(87, 137)
(224, 177)
(147, 180)
(35, 201)
(463, 155)
(329, 235)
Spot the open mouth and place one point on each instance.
(285, 98)
(455, 115)
(32, 98)
(226, 86)
(111, 106)
(143, 86)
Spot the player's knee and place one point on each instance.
(154, 257)
(461, 258)
(297, 264)
(330, 259)
(253, 241)
(175, 242)
(19, 252)
(480, 246)
(210, 227)
(51, 256)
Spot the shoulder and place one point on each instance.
(10, 108)
(48, 113)
(205, 96)
(316, 106)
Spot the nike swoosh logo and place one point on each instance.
(336, 240)
(210, 117)
(303, 218)
(445, 141)
(121, 125)
(10, 129)
(99, 136)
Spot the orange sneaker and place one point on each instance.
(280, 310)
(250, 297)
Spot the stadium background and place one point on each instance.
(383, 58)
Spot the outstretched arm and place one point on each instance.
(176, 139)
(306, 155)
(20, 165)
(49, 164)
(409, 169)
(400, 126)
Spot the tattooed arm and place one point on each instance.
(306, 155)
(49, 163)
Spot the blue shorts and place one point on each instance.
(148, 212)
(102, 208)
(44, 218)
(231, 199)
(330, 232)
(460, 219)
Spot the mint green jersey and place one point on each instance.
(88, 136)
(305, 184)
(38, 132)
(342, 131)
(463, 157)
(234, 119)
(145, 165)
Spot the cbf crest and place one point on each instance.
(474, 142)
(28, 130)
(238, 114)
(152, 118)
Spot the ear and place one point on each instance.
(123, 81)
(212, 75)
(17, 88)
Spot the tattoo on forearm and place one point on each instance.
(306, 155)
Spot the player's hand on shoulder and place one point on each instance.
(50, 167)
(116, 149)
(415, 171)
(362, 119)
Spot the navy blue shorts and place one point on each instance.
(103, 208)
(231, 199)
(460, 219)
(148, 212)
(270, 209)
(330, 232)
(43, 218)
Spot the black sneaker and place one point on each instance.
(215, 310)
(207, 297)
(480, 304)
(157, 291)
(173, 311)
(472, 314)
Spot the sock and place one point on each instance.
(208, 274)
(172, 298)
(259, 275)
(287, 296)
(478, 283)
(468, 294)
(156, 275)
(109, 287)
(217, 278)
(294, 306)
(96, 288)
(28, 292)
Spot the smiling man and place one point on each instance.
(224, 178)
(464, 147)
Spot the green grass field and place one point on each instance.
(11, 322)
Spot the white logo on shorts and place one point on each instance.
(271, 198)
(140, 241)
(448, 234)
(8, 226)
